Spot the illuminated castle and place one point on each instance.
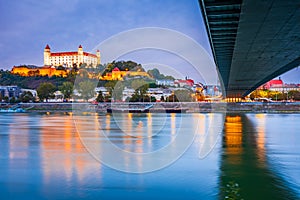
(117, 74)
(68, 59)
(40, 71)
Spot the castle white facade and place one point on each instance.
(68, 59)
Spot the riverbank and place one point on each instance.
(191, 107)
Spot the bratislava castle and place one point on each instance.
(67, 59)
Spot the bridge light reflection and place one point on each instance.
(233, 137)
(260, 140)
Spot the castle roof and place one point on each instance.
(72, 53)
(64, 53)
(47, 47)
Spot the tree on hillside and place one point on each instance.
(172, 98)
(123, 66)
(86, 89)
(100, 68)
(155, 73)
(46, 91)
(66, 89)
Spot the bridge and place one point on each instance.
(253, 41)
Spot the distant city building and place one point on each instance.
(290, 87)
(212, 90)
(157, 93)
(184, 83)
(127, 93)
(278, 83)
(279, 86)
(103, 90)
(68, 59)
(165, 82)
(10, 91)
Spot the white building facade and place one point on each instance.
(68, 59)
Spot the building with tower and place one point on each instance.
(69, 59)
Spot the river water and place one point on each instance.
(61, 156)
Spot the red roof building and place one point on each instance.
(186, 82)
(278, 83)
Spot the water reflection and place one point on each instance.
(233, 137)
(42, 157)
(261, 137)
(129, 140)
(244, 161)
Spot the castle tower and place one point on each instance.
(47, 55)
(98, 57)
(80, 55)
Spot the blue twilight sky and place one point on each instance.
(28, 25)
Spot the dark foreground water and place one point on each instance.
(256, 156)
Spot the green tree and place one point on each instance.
(294, 94)
(110, 85)
(172, 98)
(86, 89)
(66, 89)
(6, 99)
(12, 100)
(152, 99)
(157, 75)
(46, 91)
(184, 95)
(141, 87)
(100, 97)
(27, 97)
(180, 96)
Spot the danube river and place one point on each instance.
(48, 156)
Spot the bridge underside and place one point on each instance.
(253, 41)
